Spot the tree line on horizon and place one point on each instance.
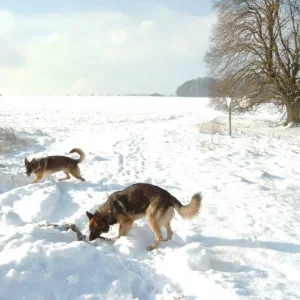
(200, 87)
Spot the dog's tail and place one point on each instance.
(191, 210)
(80, 152)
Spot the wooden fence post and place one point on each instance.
(228, 100)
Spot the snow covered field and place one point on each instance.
(244, 245)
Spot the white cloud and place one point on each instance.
(54, 38)
(118, 36)
(101, 52)
(6, 21)
(147, 25)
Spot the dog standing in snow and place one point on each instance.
(125, 206)
(52, 164)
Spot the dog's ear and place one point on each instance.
(26, 161)
(89, 215)
(35, 163)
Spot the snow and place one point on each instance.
(245, 244)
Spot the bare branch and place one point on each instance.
(255, 53)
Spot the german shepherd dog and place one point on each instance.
(51, 164)
(125, 206)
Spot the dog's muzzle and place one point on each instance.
(93, 236)
(96, 234)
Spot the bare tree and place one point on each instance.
(255, 52)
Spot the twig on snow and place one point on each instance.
(80, 236)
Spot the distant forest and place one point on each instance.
(200, 87)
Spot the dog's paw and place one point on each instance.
(151, 247)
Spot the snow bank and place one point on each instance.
(10, 180)
(64, 271)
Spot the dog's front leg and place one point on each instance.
(37, 179)
(40, 172)
(124, 228)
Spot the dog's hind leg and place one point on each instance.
(158, 235)
(65, 178)
(167, 223)
(155, 226)
(169, 231)
(76, 174)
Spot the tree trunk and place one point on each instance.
(293, 115)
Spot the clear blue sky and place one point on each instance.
(71, 47)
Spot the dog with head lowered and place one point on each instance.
(52, 164)
(125, 206)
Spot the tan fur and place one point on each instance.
(139, 200)
(81, 154)
(46, 166)
(191, 210)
